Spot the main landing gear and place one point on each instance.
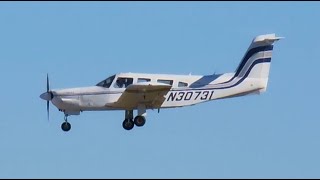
(129, 122)
(139, 121)
(66, 126)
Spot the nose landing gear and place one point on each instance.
(66, 126)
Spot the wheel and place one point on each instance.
(65, 126)
(139, 121)
(127, 124)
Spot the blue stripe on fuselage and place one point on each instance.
(258, 61)
(245, 59)
(251, 53)
(204, 80)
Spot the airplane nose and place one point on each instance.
(46, 96)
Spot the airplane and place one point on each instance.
(141, 91)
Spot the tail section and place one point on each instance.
(254, 66)
(257, 59)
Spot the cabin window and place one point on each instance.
(123, 82)
(170, 82)
(143, 80)
(107, 82)
(182, 84)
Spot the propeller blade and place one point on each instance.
(48, 109)
(48, 83)
(51, 95)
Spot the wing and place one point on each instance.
(152, 95)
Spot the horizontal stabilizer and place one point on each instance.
(267, 38)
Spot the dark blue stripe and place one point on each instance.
(247, 57)
(204, 80)
(242, 78)
(249, 54)
(248, 72)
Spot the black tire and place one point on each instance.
(66, 126)
(139, 121)
(127, 124)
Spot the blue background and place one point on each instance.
(274, 135)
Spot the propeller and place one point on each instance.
(47, 95)
(48, 90)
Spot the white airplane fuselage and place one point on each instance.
(140, 91)
(96, 98)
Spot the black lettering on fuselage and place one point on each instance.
(188, 96)
(172, 96)
(180, 96)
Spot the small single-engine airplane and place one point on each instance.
(137, 91)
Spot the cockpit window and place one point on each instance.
(123, 82)
(107, 82)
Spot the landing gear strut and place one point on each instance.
(128, 122)
(140, 119)
(66, 126)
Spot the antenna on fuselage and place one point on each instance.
(215, 72)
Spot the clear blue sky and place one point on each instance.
(274, 135)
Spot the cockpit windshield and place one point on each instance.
(107, 82)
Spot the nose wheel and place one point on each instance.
(66, 126)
